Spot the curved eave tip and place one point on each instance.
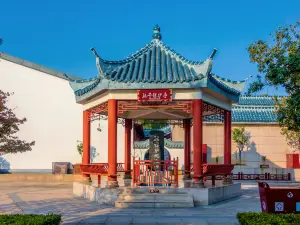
(250, 76)
(67, 77)
(94, 51)
(213, 53)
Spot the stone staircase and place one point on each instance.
(154, 200)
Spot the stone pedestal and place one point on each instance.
(227, 180)
(112, 184)
(127, 176)
(174, 186)
(187, 181)
(127, 182)
(187, 177)
(197, 184)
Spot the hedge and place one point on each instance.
(251, 218)
(30, 219)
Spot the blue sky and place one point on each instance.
(59, 34)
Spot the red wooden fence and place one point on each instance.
(265, 176)
(99, 168)
(155, 172)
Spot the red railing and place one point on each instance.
(99, 168)
(155, 172)
(266, 176)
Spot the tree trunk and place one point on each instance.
(240, 156)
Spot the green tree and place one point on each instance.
(278, 62)
(292, 138)
(9, 126)
(93, 151)
(152, 124)
(241, 137)
(79, 147)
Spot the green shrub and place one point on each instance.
(30, 219)
(251, 218)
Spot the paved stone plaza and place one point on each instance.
(44, 198)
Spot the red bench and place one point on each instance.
(99, 169)
(216, 169)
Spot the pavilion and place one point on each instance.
(156, 83)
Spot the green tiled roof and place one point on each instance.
(154, 66)
(233, 87)
(256, 100)
(254, 109)
(168, 143)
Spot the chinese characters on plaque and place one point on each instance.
(155, 95)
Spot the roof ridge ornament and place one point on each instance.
(213, 53)
(247, 78)
(156, 33)
(101, 73)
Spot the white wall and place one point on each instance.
(54, 119)
(99, 140)
(177, 153)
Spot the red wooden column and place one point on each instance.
(86, 140)
(112, 143)
(187, 148)
(227, 137)
(128, 127)
(198, 140)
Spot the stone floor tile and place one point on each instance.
(169, 221)
(144, 221)
(119, 221)
(94, 220)
(71, 220)
(194, 221)
(222, 221)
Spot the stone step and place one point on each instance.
(135, 197)
(154, 201)
(155, 197)
(123, 204)
(173, 198)
(154, 204)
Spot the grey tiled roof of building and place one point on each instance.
(35, 66)
(168, 143)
